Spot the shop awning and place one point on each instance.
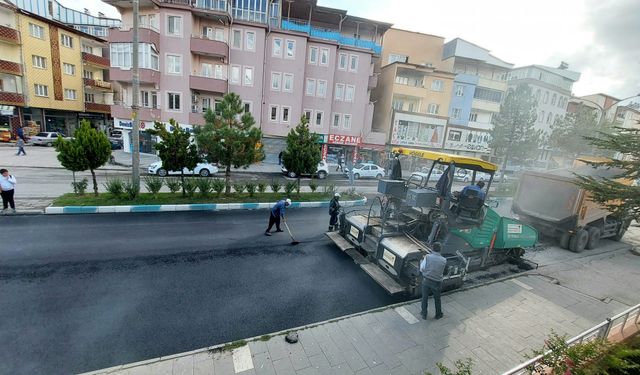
(371, 146)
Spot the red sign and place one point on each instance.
(337, 139)
(325, 149)
(355, 155)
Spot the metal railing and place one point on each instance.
(328, 34)
(613, 329)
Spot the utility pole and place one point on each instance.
(135, 128)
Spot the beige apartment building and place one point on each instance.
(414, 90)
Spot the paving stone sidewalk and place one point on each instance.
(496, 325)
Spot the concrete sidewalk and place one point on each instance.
(496, 325)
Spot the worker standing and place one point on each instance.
(334, 210)
(277, 212)
(432, 270)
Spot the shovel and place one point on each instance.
(293, 240)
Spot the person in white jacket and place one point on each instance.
(7, 187)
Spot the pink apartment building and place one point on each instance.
(284, 59)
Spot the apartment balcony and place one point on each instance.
(98, 84)
(9, 35)
(146, 75)
(209, 84)
(146, 34)
(210, 47)
(127, 4)
(10, 67)
(373, 81)
(208, 8)
(144, 114)
(95, 60)
(408, 90)
(97, 107)
(196, 118)
(11, 98)
(329, 34)
(485, 105)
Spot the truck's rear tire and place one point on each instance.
(564, 240)
(594, 238)
(578, 241)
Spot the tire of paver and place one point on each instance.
(564, 240)
(578, 241)
(594, 238)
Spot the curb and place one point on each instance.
(188, 207)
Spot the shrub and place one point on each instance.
(351, 191)
(204, 186)
(329, 189)
(275, 186)
(218, 186)
(114, 186)
(131, 189)
(153, 184)
(290, 187)
(238, 187)
(189, 185)
(80, 187)
(173, 184)
(251, 188)
(313, 186)
(262, 187)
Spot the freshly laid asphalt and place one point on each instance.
(79, 293)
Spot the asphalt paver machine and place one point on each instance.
(389, 238)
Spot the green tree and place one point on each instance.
(302, 154)
(514, 136)
(88, 149)
(567, 133)
(622, 199)
(175, 148)
(229, 137)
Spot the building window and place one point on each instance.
(553, 99)
(561, 102)
(433, 109)
(546, 97)
(397, 104)
(41, 90)
(154, 99)
(173, 101)
(250, 43)
(319, 116)
(121, 56)
(322, 88)
(87, 74)
(218, 34)
(89, 98)
(36, 31)
(349, 93)
(207, 32)
(311, 87)
(87, 49)
(236, 39)
(538, 94)
(286, 112)
(346, 124)
(473, 117)
(174, 64)
(353, 64)
(455, 113)
(69, 69)
(273, 113)
(248, 76)
(287, 82)
(174, 25)
(313, 55)
(549, 117)
(235, 74)
(218, 72)
(66, 40)
(436, 85)
(336, 120)
(307, 114)
(39, 62)
(70, 94)
(206, 70)
(291, 49)
(339, 91)
(324, 56)
(248, 106)
(541, 118)
(276, 49)
(489, 95)
(459, 90)
(276, 79)
(342, 61)
(395, 57)
(144, 99)
(455, 135)
(206, 104)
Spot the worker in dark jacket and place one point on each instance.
(277, 212)
(334, 210)
(432, 270)
(396, 168)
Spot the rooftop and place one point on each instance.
(565, 73)
(461, 48)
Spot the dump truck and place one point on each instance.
(558, 208)
(389, 238)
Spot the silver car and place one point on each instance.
(46, 138)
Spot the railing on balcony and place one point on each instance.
(97, 83)
(215, 5)
(8, 34)
(97, 107)
(328, 34)
(95, 59)
(10, 67)
(11, 98)
(177, 2)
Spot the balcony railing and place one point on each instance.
(145, 34)
(177, 2)
(10, 67)
(122, 111)
(328, 34)
(11, 98)
(97, 107)
(97, 83)
(215, 5)
(146, 75)
(209, 47)
(96, 60)
(207, 84)
(9, 35)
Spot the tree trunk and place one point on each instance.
(299, 181)
(182, 182)
(74, 177)
(227, 180)
(504, 163)
(95, 183)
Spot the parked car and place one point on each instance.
(322, 172)
(115, 145)
(203, 169)
(46, 138)
(435, 174)
(366, 170)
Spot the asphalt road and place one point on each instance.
(79, 293)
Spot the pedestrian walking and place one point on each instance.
(432, 270)
(7, 187)
(277, 213)
(340, 162)
(280, 158)
(21, 133)
(20, 145)
(334, 211)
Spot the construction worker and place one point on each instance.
(334, 210)
(277, 212)
(432, 270)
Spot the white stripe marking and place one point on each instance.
(523, 285)
(242, 360)
(406, 315)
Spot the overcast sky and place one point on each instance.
(598, 38)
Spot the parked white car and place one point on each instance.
(322, 172)
(366, 170)
(45, 138)
(203, 169)
(435, 174)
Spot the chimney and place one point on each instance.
(563, 66)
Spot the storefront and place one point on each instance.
(336, 146)
(468, 141)
(146, 139)
(64, 122)
(418, 131)
(97, 120)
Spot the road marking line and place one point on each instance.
(523, 285)
(242, 360)
(406, 315)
